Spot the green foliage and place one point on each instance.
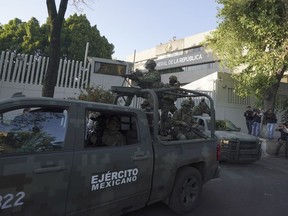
(252, 37)
(282, 107)
(96, 94)
(11, 35)
(29, 38)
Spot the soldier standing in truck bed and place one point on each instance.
(183, 123)
(168, 105)
(149, 80)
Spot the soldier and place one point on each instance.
(150, 80)
(192, 103)
(201, 108)
(147, 107)
(173, 81)
(183, 122)
(204, 107)
(95, 127)
(111, 135)
(168, 106)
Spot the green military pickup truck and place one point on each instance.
(235, 146)
(69, 157)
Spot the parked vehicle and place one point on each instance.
(55, 160)
(235, 145)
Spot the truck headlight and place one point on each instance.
(226, 142)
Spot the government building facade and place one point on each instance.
(199, 69)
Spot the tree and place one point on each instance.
(96, 94)
(77, 31)
(30, 38)
(33, 38)
(24, 37)
(11, 35)
(252, 36)
(56, 20)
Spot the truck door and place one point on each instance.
(109, 174)
(35, 159)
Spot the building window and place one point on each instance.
(235, 99)
(194, 49)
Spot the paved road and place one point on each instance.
(242, 190)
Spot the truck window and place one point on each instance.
(32, 130)
(107, 129)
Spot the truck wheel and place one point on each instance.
(186, 191)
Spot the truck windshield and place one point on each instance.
(225, 125)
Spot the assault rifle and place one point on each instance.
(133, 75)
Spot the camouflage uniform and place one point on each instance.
(192, 103)
(183, 123)
(146, 106)
(167, 105)
(201, 108)
(149, 80)
(204, 107)
(111, 135)
(95, 127)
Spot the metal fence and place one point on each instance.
(31, 69)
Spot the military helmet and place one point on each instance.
(150, 64)
(174, 78)
(185, 103)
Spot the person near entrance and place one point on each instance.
(248, 114)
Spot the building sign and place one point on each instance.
(184, 60)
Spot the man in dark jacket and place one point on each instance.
(249, 116)
(271, 120)
(256, 122)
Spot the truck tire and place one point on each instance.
(186, 191)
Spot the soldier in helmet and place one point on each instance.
(183, 122)
(202, 108)
(151, 79)
(168, 106)
(173, 81)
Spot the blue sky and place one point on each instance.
(129, 24)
